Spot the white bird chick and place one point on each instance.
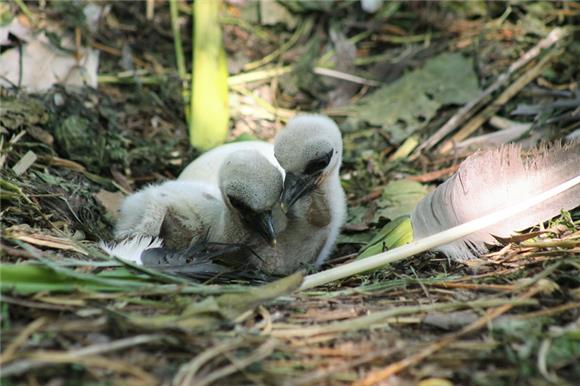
(184, 212)
(314, 200)
(251, 187)
(206, 166)
(309, 149)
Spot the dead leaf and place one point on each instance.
(43, 240)
(111, 201)
(37, 65)
(408, 104)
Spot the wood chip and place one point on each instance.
(25, 162)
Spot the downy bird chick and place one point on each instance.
(312, 224)
(206, 166)
(238, 210)
(309, 149)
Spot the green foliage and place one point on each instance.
(396, 233)
(409, 103)
(211, 312)
(85, 129)
(29, 278)
(399, 198)
(521, 340)
(22, 112)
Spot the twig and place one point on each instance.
(507, 124)
(234, 80)
(254, 76)
(470, 108)
(15, 251)
(379, 375)
(316, 377)
(478, 287)
(41, 359)
(150, 9)
(283, 114)
(344, 76)
(179, 58)
(29, 304)
(26, 11)
(435, 175)
(364, 322)
(494, 107)
(302, 30)
(253, 28)
(8, 353)
(187, 371)
(549, 311)
(509, 131)
(264, 351)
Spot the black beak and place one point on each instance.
(264, 225)
(295, 187)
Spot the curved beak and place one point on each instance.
(295, 187)
(265, 227)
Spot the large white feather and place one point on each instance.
(554, 177)
(493, 180)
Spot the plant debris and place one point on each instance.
(392, 74)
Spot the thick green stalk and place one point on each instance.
(209, 90)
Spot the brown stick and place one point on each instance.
(494, 107)
(379, 375)
(437, 174)
(470, 108)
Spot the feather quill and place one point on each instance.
(547, 181)
(493, 180)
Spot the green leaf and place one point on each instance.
(408, 104)
(209, 104)
(396, 233)
(399, 198)
(32, 278)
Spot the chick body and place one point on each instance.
(206, 167)
(235, 207)
(309, 149)
(308, 232)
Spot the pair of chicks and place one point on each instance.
(283, 201)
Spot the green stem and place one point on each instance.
(179, 58)
(302, 30)
(25, 10)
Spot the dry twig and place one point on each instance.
(469, 109)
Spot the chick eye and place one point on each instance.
(239, 205)
(318, 164)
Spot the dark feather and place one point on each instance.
(204, 261)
